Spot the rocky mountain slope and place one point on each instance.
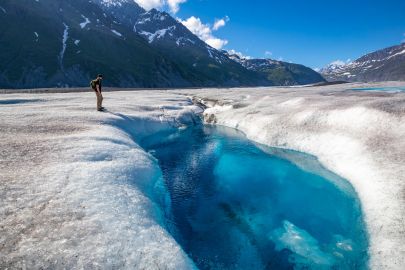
(279, 72)
(65, 43)
(384, 65)
(55, 43)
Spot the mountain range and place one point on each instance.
(383, 65)
(59, 43)
(279, 72)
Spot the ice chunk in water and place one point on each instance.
(305, 248)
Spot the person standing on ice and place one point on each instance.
(96, 86)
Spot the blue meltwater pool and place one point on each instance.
(240, 205)
(392, 89)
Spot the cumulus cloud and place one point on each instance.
(241, 55)
(340, 62)
(198, 28)
(173, 5)
(216, 43)
(220, 23)
(204, 32)
(268, 53)
(194, 24)
(149, 4)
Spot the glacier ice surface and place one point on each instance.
(77, 191)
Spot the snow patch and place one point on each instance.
(144, 20)
(116, 32)
(396, 54)
(182, 41)
(209, 52)
(64, 39)
(158, 34)
(86, 22)
(113, 3)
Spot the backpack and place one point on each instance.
(93, 84)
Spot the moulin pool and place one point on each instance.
(235, 204)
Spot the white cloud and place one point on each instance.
(173, 5)
(149, 4)
(220, 23)
(241, 55)
(195, 25)
(204, 32)
(338, 63)
(268, 53)
(216, 43)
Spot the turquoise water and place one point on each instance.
(239, 205)
(394, 89)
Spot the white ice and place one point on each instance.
(77, 191)
(306, 248)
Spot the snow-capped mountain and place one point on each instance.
(195, 58)
(384, 65)
(48, 43)
(125, 11)
(162, 30)
(279, 72)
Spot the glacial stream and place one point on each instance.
(235, 204)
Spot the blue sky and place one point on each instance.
(310, 32)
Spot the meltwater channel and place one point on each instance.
(236, 204)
